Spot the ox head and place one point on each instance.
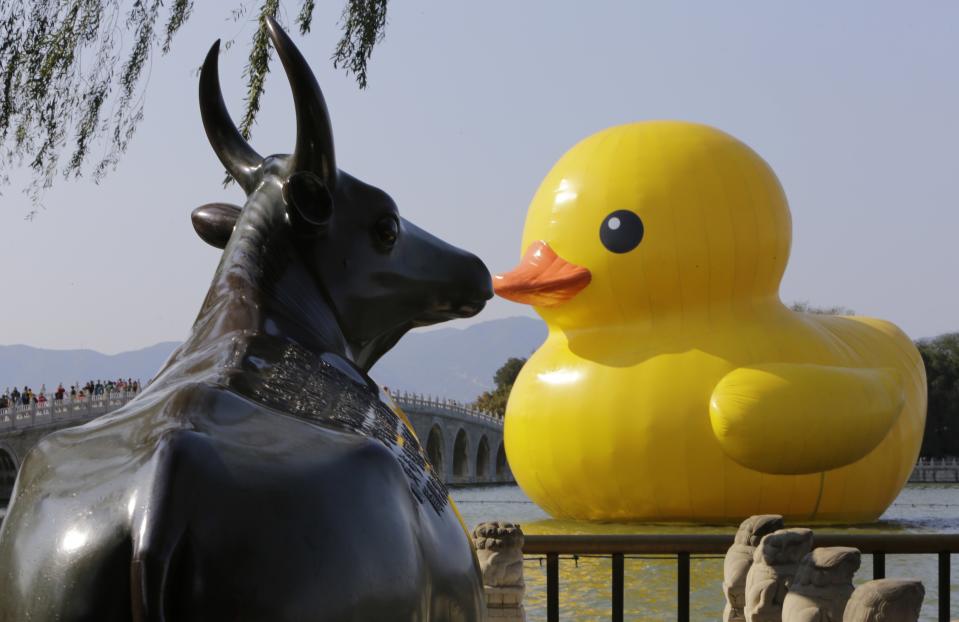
(379, 273)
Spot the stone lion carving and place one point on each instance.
(774, 564)
(738, 560)
(885, 600)
(499, 549)
(822, 585)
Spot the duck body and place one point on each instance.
(628, 436)
(674, 385)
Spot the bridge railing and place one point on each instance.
(683, 546)
(28, 415)
(949, 461)
(414, 401)
(22, 416)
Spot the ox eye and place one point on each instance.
(621, 231)
(385, 231)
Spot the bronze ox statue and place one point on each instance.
(262, 475)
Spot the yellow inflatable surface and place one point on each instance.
(674, 384)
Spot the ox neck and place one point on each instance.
(262, 294)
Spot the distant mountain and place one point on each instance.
(25, 365)
(457, 363)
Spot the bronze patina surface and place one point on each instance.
(262, 475)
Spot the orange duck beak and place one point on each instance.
(542, 278)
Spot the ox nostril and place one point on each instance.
(487, 291)
(480, 277)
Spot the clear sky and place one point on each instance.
(854, 105)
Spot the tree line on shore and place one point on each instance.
(941, 358)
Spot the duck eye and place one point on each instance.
(385, 231)
(621, 231)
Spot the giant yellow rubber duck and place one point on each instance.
(674, 385)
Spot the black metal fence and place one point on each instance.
(683, 546)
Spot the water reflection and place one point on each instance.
(650, 588)
(650, 581)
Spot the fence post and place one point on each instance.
(552, 587)
(683, 587)
(944, 586)
(878, 565)
(617, 580)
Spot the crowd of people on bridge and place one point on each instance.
(76, 392)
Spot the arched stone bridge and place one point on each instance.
(465, 445)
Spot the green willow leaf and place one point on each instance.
(74, 74)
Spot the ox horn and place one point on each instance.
(314, 133)
(239, 158)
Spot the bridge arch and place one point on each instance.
(434, 449)
(429, 416)
(8, 474)
(502, 468)
(482, 457)
(461, 467)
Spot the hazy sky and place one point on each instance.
(854, 105)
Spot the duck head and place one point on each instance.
(651, 218)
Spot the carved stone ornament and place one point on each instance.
(738, 560)
(775, 562)
(499, 549)
(886, 600)
(822, 585)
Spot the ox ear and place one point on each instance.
(214, 222)
(310, 200)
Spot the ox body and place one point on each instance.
(262, 475)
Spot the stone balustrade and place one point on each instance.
(932, 470)
(27, 415)
(446, 406)
(787, 580)
(790, 581)
(464, 445)
(23, 416)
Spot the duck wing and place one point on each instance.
(789, 419)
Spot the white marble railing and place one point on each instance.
(414, 401)
(938, 462)
(30, 415)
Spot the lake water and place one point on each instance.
(650, 584)
(650, 591)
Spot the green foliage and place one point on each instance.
(941, 358)
(803, 306)
(495, 401)
(364, 22)
(258, 66)
(506, 375)
(74, 72)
